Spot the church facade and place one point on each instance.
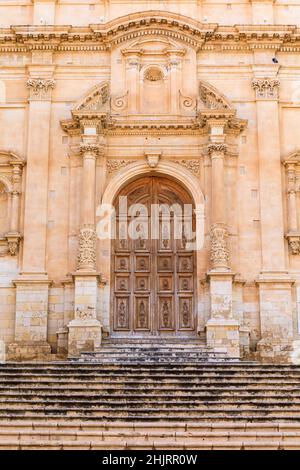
(189, 106)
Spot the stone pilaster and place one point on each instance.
(32, 284)
(85, 330)
(175, 74)
(274, 282)
(222, 329)
(132, 79)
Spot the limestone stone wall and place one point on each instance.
(222, 121)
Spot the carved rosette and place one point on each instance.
(40, 89)
(219, 250)
(87, 249)
(266, 88)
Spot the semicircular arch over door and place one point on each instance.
(153, 272)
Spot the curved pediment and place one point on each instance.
(155, 22)
(212, 99)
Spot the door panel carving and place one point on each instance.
(153, 288)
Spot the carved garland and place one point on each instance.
(219, 249)
(87, 248)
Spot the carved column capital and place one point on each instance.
(266, 88)
(219, 249)
(216, 149)
(92, 149)
(87, 248)
(40, 88)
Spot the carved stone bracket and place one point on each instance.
(152, 158)
(40, 89)
(13, 241)
(219, 249)
(266, 88)
(87, 249)
(294, 243)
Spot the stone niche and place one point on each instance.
(152, 78)
(10, 193)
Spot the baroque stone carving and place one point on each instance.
(40, 88)
(219, 250)
(152, 158)
(90, 148)
(114, 165)
(192, 165)
(266, 88)
(120, 102)
(87, 313)
(294, 243)
(87, 248)
(153, 74)
(216, 148)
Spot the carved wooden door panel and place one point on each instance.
(153, 274)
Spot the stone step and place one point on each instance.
(160, 411)
(142, 394)
(178, 444)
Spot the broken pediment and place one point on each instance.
(211, 99)
(95, 102)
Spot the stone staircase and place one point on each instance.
(153, 351)
(169, 397)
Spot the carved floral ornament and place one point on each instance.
(219, 249)
(40, 88)
(266, 88)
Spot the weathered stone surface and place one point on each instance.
(88, 109)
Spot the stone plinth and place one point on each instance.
(31, 320)
(222, 330)
(84, 335)
(29, 351)
(276, 318)
(223, 334)
(85, 330)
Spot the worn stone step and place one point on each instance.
(158, 444)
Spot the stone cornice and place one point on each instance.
(97, 37)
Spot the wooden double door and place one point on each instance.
(153, 272)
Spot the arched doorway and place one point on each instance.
(153, 268)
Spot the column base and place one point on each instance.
(29, 351)
(222, 334)
(84, 335)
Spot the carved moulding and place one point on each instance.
(294, 242)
